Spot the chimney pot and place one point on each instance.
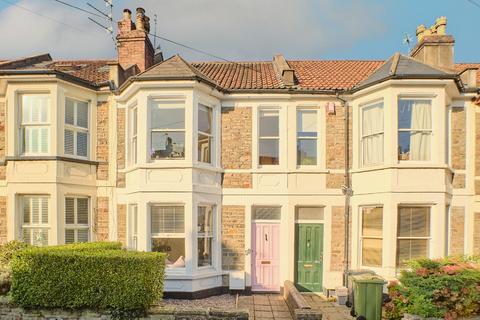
(420, 32)
(441, 25)
(140, 19)
(127, 15)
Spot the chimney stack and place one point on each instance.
(434, 46)
(134, 46)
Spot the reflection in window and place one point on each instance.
(205, 134)
(35, 225)
(205, 231)
(309, 213)
(413, 233)
(76, 220)
(372, 232)
(269, 137)
(414, 129)
(167, 123)
(306, 137)
(266, 213)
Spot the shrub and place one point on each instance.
(85, 246)
(87, 276)
(448, 288)
(6, 252)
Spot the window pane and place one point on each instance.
(39, 237)
(82, 114)
(35, 203)
(167, 219)
(372, 149)
(69, 112)
(268, 152)
(266, 213)
(35, 108)
(269, 124)
(174, 248)
(69, 210)
(205, 220)
(414, 222)
(204, 119)
(309, 213)
(204, 252)
(43, 140)
(372, 222)
(82, 210)
(404, 145)
(26, 210)
(134, 121)
(204, 148)
(68, 142)
(372, 119)
(408, 249)
(306, 152)
(82, 235)
(166, 117)
(372, 252)
(82, 144)
(69, 236)
(306, 123)
(414, 114)
(44, 210)
(168, 145)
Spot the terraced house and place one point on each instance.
(249, 173)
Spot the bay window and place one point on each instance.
(34, 124)
(167, 130)
(414, 129)
(168, 233)
(34, 219)
(372, 134)
(76, 128)
(205, 235)
(371, 236)
(269, 138)
(306, 137)
(77, 219)
(205, 133)
(413, 233)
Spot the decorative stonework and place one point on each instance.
(457, 231)
(101, 219)
(233, 237)
(102, 140)
(237, 138)
(237, 180)
(120, 147)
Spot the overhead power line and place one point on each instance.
(78, 8)
(474, 3)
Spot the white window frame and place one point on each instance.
(33, 226)
(210, 135)
(76, 129)
(133, 226)
(378, 133)
(316, 138)
(78, 226)
(420, 98)
(362, 237)
(170, 104)
(212, 235)
(427, 238)
(133, 158)
(24, 125)
(267, 138)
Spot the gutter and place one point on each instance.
(59, 74)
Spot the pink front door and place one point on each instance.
(266, 257)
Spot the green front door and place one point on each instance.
(309, 256)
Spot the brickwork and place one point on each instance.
(458, 181)
(237, 180)
(338, 236)
(3, 220)
(122, 223)
(3, 138)
(237, 138)
(120, 147)
(335, 180)
(233, 237)
(476, 233)
(477, 187)
(457, 231)
(102, 140)
(477, 144)
(101, 219)
(335, 138)
(459, 133)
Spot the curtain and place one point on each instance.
(372, 131)
(420, 140)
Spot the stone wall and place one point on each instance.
(237, 138)
(102, 140)
(3, 138)
(457, 231)
(101, 219)
(338, 238)
(237, 180)
(335, 180)
(3, 220)
(233, 238)
(477, 152)
(122, 223)
(120, 147)
(459, 132)
(335, 138)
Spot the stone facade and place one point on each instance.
(335, 180)
(3, 220)
(120, 147)
(233, 237)
(335, 138)
(476, 233)
(458, 181)
(337, 248)
(458, 134)
(457, 231)
(3, 139)
(122, 223)
(102, 140)
(237, 180)
(101, 219)
(237, 138)
(477, 144)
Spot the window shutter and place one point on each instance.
(69, 210)
(26, 210)
(68, 142)
(82, 211)
(43, 146)
(82, 114)
(168, 220)
(82, 144)
(69, 236)
(69, 112)
(44, 202)
(82, 235)
(35, 210)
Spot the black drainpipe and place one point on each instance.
(346, 189)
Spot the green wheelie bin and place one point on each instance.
(367, 297)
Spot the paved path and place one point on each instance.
(272, 306)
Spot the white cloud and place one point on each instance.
(234, 29)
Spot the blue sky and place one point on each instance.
(246, 29)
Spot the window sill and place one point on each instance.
(195, 275)
(403, 165)
(50, 158)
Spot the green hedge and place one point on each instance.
(87, 276)
(84, 246)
